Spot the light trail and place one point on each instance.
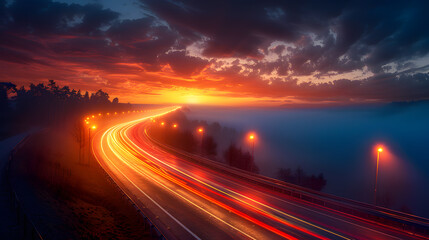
(123, 152)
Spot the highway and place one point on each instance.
(188, 200)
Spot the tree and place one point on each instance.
(86, 97)
(100, 97)
(209, 146)
(235, 157)
(6, 88)
(115, 100)
(299, 177)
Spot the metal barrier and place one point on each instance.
(27, 229)
(154, 229)
(414, 225)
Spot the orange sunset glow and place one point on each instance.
(214, 120)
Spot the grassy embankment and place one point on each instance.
(69, 198)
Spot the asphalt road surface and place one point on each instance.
(191, 201)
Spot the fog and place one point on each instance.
(341, 143)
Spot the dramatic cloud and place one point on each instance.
(303, 51)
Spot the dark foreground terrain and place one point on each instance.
(68, 198)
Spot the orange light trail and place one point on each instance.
(118, 139)
(132, 148)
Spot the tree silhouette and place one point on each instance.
(299, 177)
(209, 146)
(41, 105)
(235, 157)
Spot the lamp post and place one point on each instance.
(252, 140)
(201, 131)
(379, 150)
(93, 127)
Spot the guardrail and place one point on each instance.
(413, 225)
(153, 228)
(157, 230)
(27, 229)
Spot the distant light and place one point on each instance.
(162, 123)
(116, 113)
(200, 130)
(93, 116)
(86, 122)
(93, 127)
(87, 118)
(175, 125)
(380, 149)
(108, 113)
(99, 114)
(251, 137)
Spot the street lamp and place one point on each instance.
(93, 127)
(252, 139)
(201, 131)
(379, 150)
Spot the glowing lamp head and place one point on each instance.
(380, 149)
(175, 125)
(99, 114)
(162, 123)
(108, 113)
(116, 113)
(252, 137)
(93, 116)
(93, 127)
(200, 130)
(87, 118)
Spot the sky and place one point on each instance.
(268, 53)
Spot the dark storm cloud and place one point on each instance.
(15, 56)
(352, 34)
(45, 17)
(130, 30)
(239, 28)
(183, 64)
(312, 38)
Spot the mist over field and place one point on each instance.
(340, 143)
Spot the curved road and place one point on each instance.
(190, 201)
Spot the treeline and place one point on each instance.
(301, 178)
(42, 105)
(186, 136)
